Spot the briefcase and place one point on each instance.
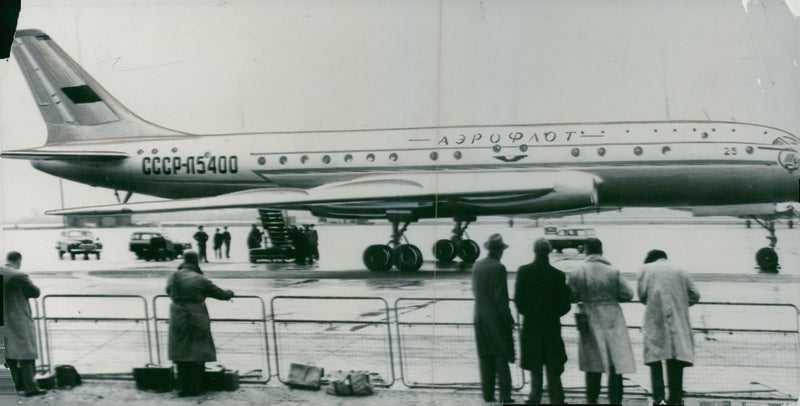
(45, 380)
(67, 376)
(305, 376)
(214, 377)
(155, 378)
(230, 380)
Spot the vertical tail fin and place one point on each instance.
(74, 106)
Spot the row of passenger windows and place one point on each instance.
(434, 155)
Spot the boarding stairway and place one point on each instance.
(275, 223)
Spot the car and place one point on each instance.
(74, 242)
(570, 237)
(151, 245)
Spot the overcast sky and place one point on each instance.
(232, 66)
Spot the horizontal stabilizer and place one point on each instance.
(34, 154)
(403, 188)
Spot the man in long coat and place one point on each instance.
(226, 239)
(668, 292)
(190, 341)
(20, 331)
(542, 297)
(493, 321)
(607, 347)
(201, 237)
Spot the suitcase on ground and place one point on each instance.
(214, 377)
(230, 380)
(45, 380)
(304, 376)
(155, 378)
(67, 376)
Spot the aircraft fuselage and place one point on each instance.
(638, 163)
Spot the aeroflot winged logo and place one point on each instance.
(788, 159)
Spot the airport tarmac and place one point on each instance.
(718, 257)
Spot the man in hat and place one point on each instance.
(20, 343)
(190, 343)
(493, 321)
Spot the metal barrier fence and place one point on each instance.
(436, 341)
(336, 333)
(107, 335)
(757, 362)
(41, 362)
(96, 333)
(240, 337)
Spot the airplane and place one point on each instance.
(403, 174)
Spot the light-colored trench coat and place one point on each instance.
(600, 287)
(668, 293)
(20, 330)
(189, 325)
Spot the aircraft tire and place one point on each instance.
(97, 255)
(72, 256)
(444, 250)
(410, 258)
(469, 250)
(378, 258)
(60, 254)
(767, 259)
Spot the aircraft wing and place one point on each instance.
(565, 190)
(744, 210)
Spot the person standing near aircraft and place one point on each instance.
(667, 292)
(493, 321)
(226, 239)
(254, 238)
(606, 346)
(190, 342)
(542, 297)
(201, 237)
(218, 238)
(20, 350)
(314, 241)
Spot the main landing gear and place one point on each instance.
(407, 257)
(767, 258)
(468, 250)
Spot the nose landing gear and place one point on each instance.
(445, 250)
(767, 258)
(406, 257)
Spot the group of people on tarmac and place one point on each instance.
(220, 239)
(306, 244)
(543, 294)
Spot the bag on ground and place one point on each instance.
(354, 384)
(67, 376)
(213, 377)
(303, 376)
(45, 380)
(230, 381)
(155, 378)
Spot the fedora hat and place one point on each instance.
(495, 243)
